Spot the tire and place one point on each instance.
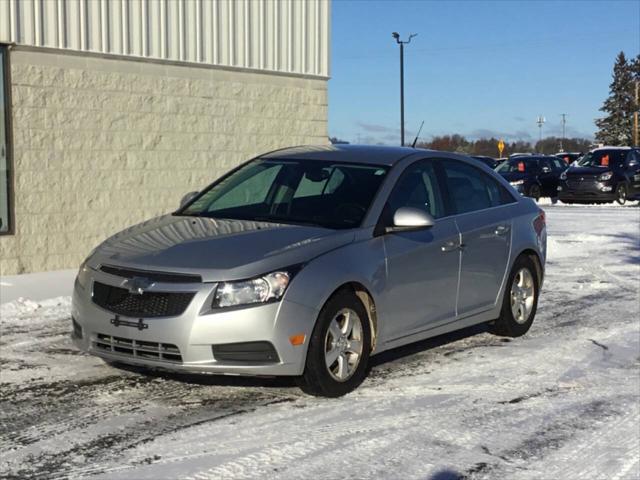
(510, 324)
(535, 192)
(621, 194)
(324, 380)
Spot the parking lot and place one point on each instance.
(561, 402)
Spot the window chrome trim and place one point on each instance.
(6, 70)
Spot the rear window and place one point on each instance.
(603, 158)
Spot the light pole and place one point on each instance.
(564, 122)
(396, 35)
(540, 121)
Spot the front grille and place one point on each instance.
(153, 276)
(586, 184)
(164, 352)
(147, 305)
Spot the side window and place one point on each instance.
(471, 189)
(417, 188)
(559, 164)
(5, 207)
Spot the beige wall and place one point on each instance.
(100, 144)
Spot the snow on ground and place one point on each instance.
(561, 402)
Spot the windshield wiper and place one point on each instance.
(284, 220)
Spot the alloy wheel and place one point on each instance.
(522, 295)
(343, 345)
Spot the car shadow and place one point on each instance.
(428, 344)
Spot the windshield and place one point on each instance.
(603, 158)
(306, 192)
(518, 165)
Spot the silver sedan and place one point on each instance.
(307, 261)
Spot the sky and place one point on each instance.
(477, 68)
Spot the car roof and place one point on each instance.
(347, 153)
(613, 148)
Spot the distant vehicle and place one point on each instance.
(533, 176)
(569, 157)
(306, 261)
(603, 175)
(488, 161)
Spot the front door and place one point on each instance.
(423, 265)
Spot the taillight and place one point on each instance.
(540, 223)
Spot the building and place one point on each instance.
(114, 109)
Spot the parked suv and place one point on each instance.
(602, 176)
(533, 176)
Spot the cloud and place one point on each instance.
(555, 130)
(382, 134)
(375, 128)
(489, 133)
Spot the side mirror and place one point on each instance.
(407, 219)
(187, 198)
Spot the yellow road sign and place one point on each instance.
(501, 147)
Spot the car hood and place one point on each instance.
(216, 249)
(575, 170)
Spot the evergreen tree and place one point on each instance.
(616, 127)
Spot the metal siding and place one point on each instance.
(282, 35)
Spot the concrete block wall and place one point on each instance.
(100, 144)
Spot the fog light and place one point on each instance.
(606, 189)
(559, 188)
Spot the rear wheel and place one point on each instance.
(534, 192)
(520, 300)
(338, 349)
(621, 194)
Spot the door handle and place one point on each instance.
(502, 230)
(450, 246)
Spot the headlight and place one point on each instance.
(603, 177)
(265, 289)
(83, 275)
(517, 182)
(563, 176)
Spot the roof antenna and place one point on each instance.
(415, 140)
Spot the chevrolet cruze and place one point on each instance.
(306, 261)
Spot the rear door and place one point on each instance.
(481, 211)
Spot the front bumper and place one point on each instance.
(587, 192)
(194, 333)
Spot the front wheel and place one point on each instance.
(621, 194)
(339, 348)
(520, 300)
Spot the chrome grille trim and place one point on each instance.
(143, 349)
